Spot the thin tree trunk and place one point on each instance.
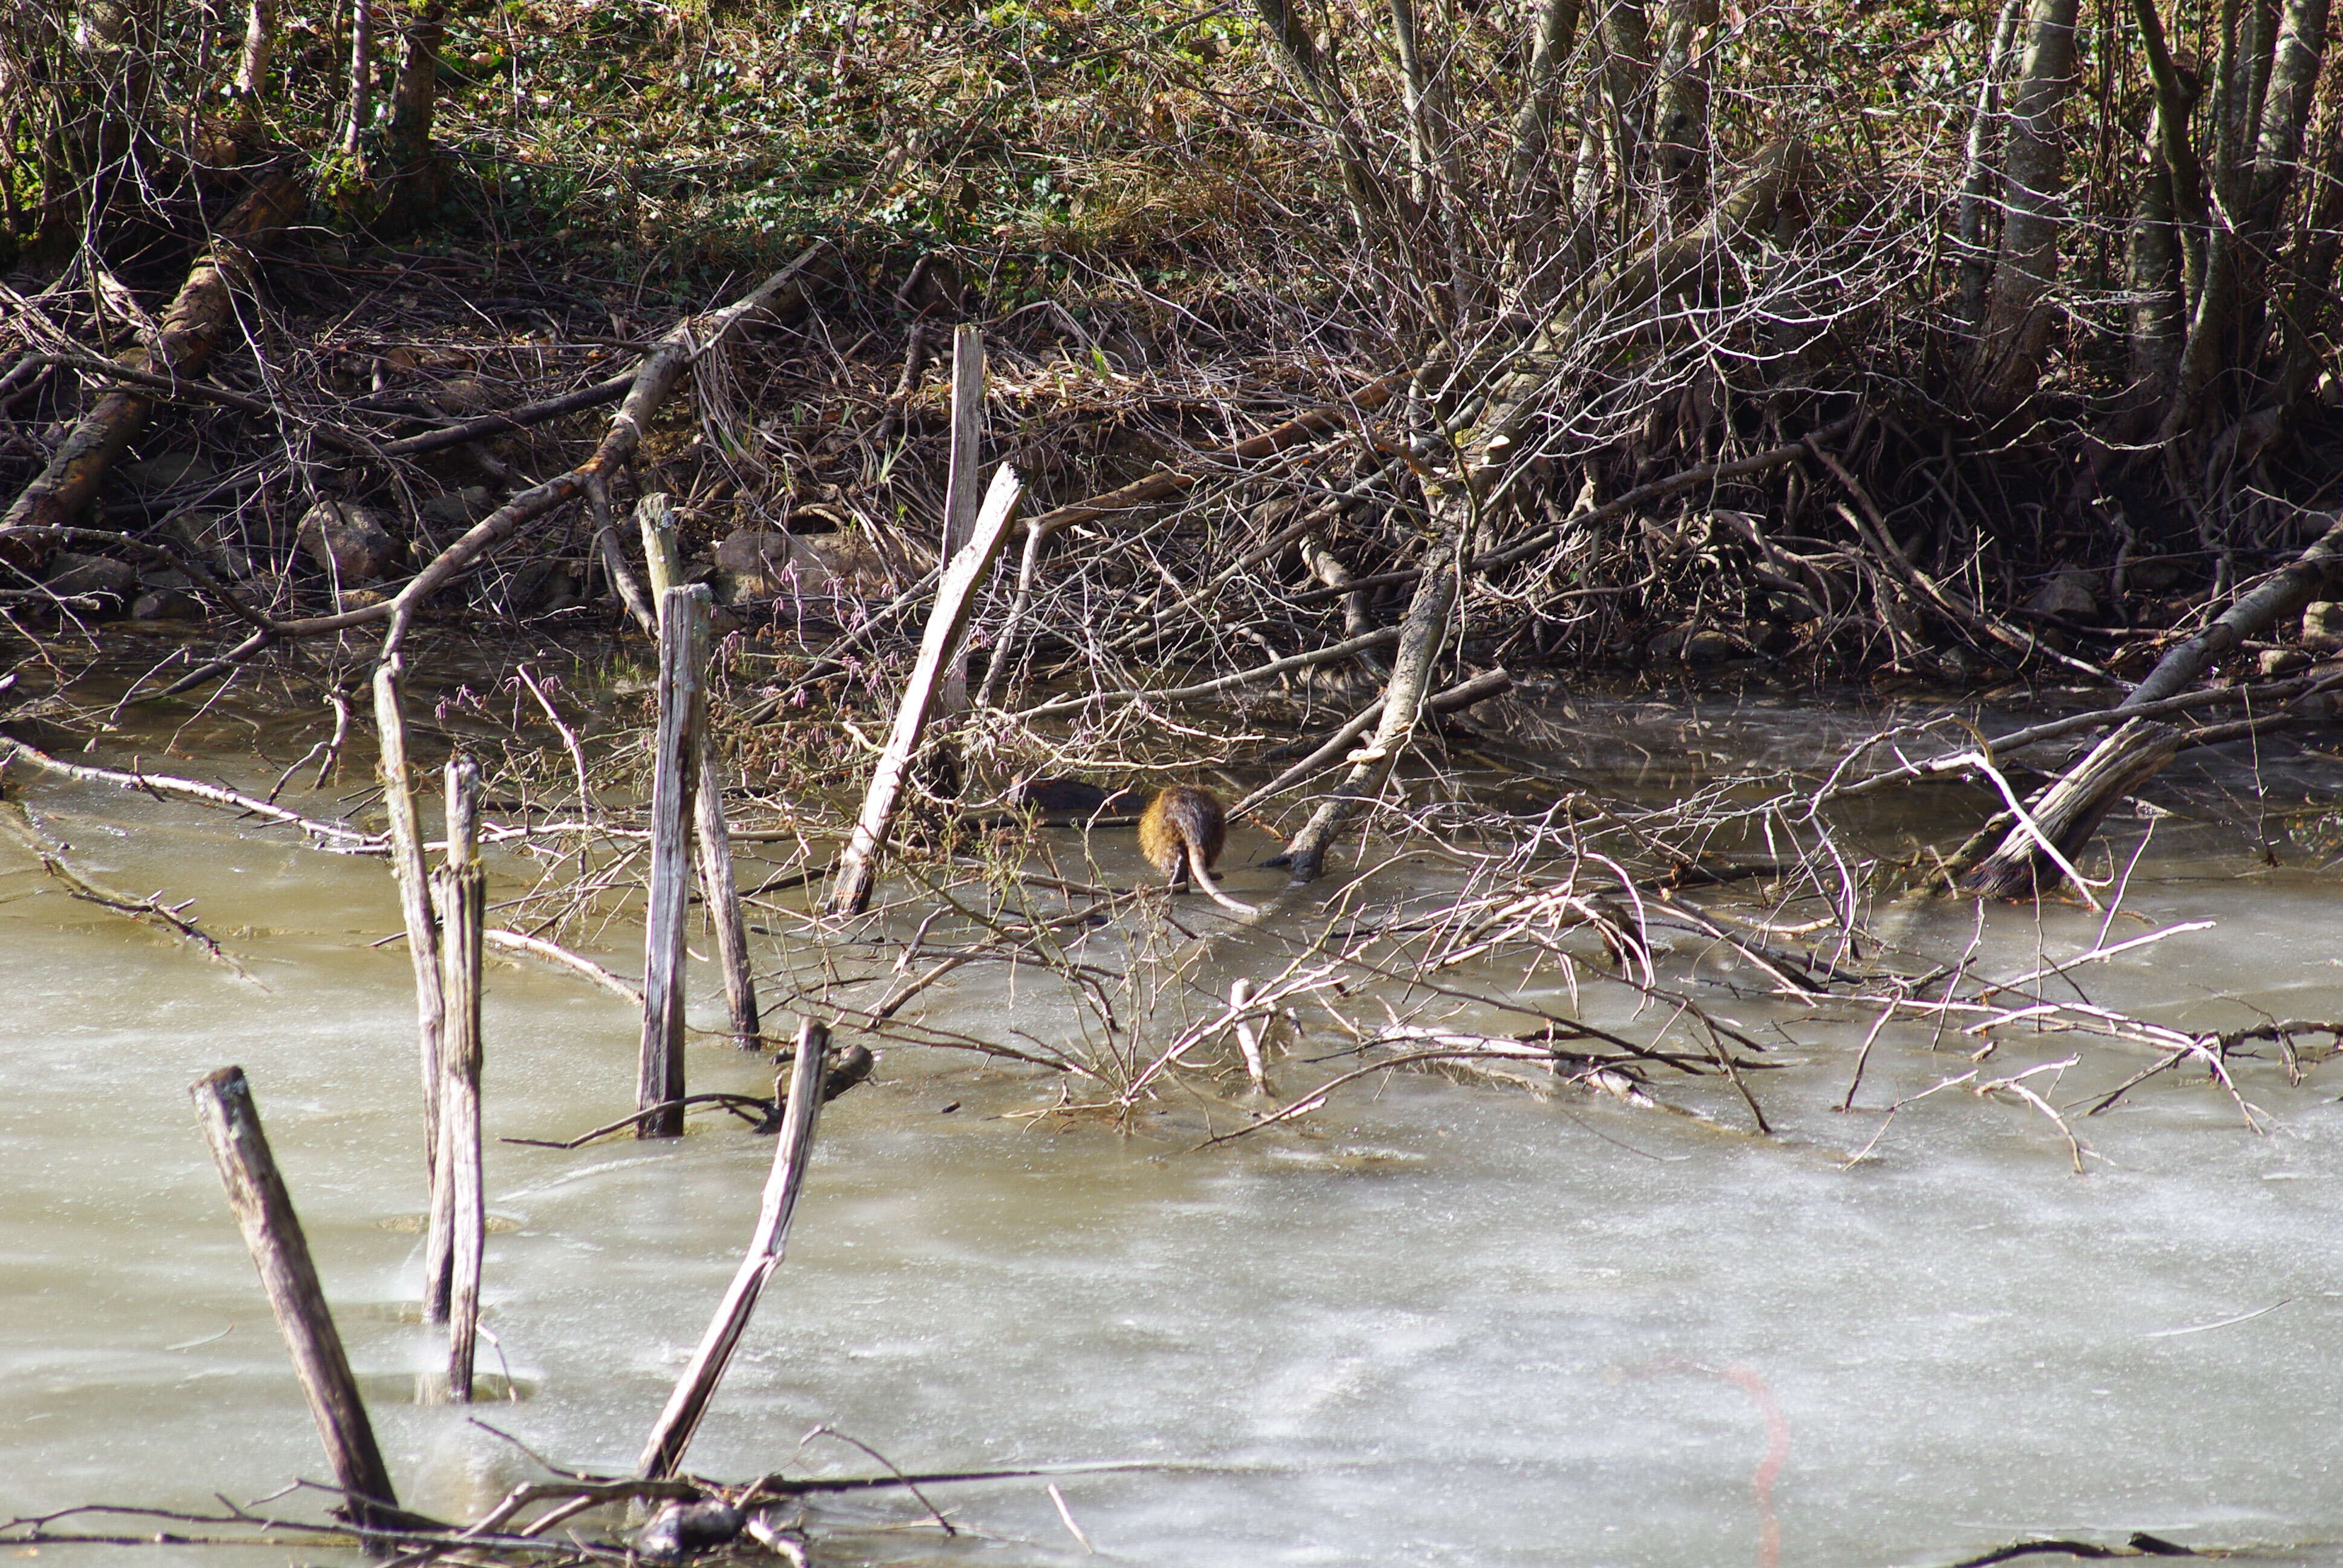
(361, 102)
(1531, 181)
(1680, 138)
(2018, 317)
(1362, 189)
(412, 167)
(1407, 39)
(252, 65)
(2309, 309)
(2176, 101)
(1985, 150)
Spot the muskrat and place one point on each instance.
(1183, 831)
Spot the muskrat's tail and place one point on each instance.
(1202, 878)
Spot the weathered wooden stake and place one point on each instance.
(460, 890)
(858, 865)
(655, 517)
(272, 1232)
(961, 478)
(721, 892)
(963, 494)
(662, 562)
(423, 952)
(697, 1387)
(682, 726)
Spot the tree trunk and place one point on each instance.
(252, 63)
(415, 173)
(1531, 180)
(2286, 108)
(1627, 79)
(1680, 138)
(1984, 152)
(2154, 278)
(2018, 317)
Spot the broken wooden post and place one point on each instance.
(697, 1387)
(662, 560)
(720, 890)
(272, 1232)
(460, 890)
(857, 864)
(682, 724)
(422, 939)
(655, 517)
(960, 479)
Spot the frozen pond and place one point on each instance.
(1435, 1323)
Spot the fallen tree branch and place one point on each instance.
(146, 912)
(161, 785)
(527, 414)
(648, 387)
(2286, 592)
(191, 328)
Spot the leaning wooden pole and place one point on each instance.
(697, 1387)
(857, 864)
(675, 771)
(272, 1232)
(460, 890)
(719, 890)
(414, 880)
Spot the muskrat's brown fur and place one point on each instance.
(1182, 831)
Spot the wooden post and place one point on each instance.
(960, 479)
(662, 562)
(858, 865)
(656, 518)
(961, 494)
(273, 1233)
(682, 725)
(721, 892)
(461, 892)
(697, 1387)
(422, 946)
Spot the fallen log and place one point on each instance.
(2286, 592)
(2039, 852)
(190, 330)
(2071, 807)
